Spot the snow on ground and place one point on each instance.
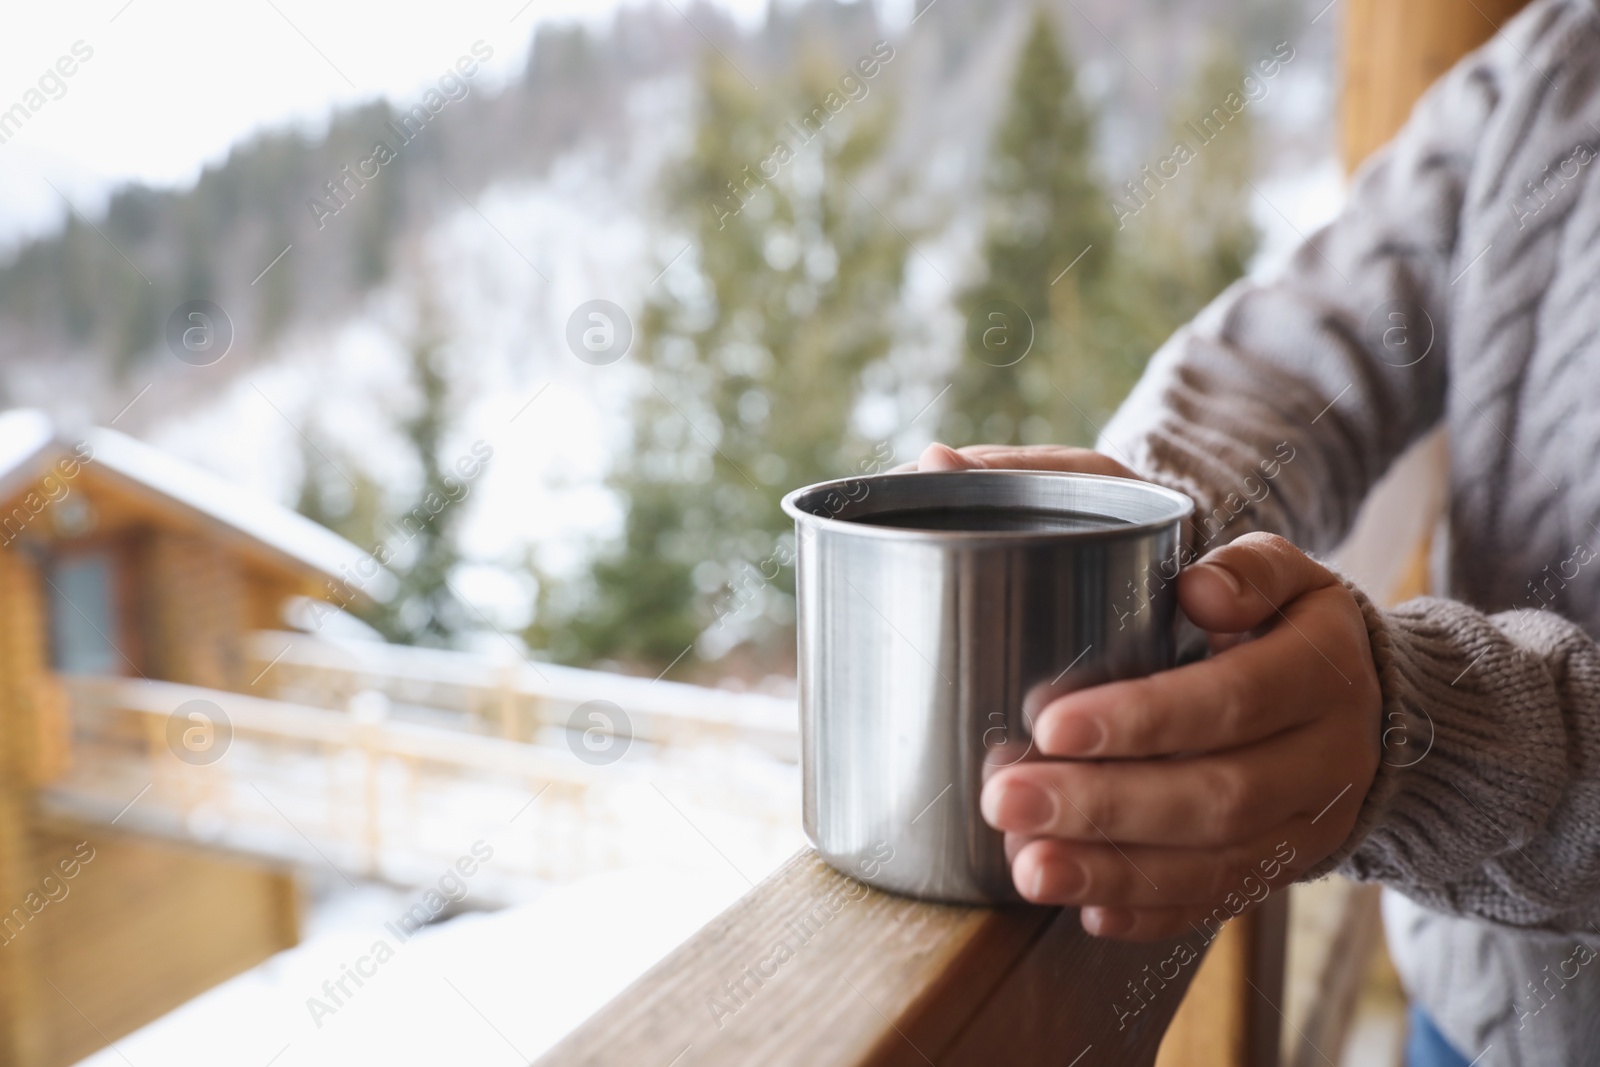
(481, 988)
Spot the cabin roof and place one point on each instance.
(31, 443)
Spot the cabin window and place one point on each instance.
(83, 616)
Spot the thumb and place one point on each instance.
(1242, 585)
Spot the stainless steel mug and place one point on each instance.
(937, 613)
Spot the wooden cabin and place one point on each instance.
(118, 560)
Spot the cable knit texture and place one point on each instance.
(1459, 286)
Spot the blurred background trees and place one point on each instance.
(413, 532)
(788, 336)
(755, 350)
(1099, 290)
(1049, 245)
(1196, 237)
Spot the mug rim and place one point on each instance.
(1181, 508)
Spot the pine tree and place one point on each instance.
(418, 532)
(1146, 266)
(427, 610)
(755, 360)
(1045, 213)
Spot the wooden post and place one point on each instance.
(1394, 51)
(22, 685)
(1334, 957)
(506, 703)
(1232, 1015)
(21, 1039)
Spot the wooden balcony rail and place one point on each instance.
(954, 983)
(93, 699)
(912, 974)
(814, 968)
(516, 698)
(392, 800)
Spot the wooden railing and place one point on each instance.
(392, 800)
(515, 698)
(1225, 1019)
(907, 979)
(814, 968)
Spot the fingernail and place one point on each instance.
(1018, 806)
(1107, 922)
(1226, 575)
(1059, 882)
(1074, 735)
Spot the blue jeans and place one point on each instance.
(1426, 1046)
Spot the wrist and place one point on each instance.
(1403, 733)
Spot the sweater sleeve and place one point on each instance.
(1487, 798)
(1285, 401)
(1279, 409)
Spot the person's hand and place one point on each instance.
(1175, 798)
(937, 457)
(1188, 795)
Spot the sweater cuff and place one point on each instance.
(1469, 766)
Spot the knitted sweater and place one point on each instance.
(1460, 285)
